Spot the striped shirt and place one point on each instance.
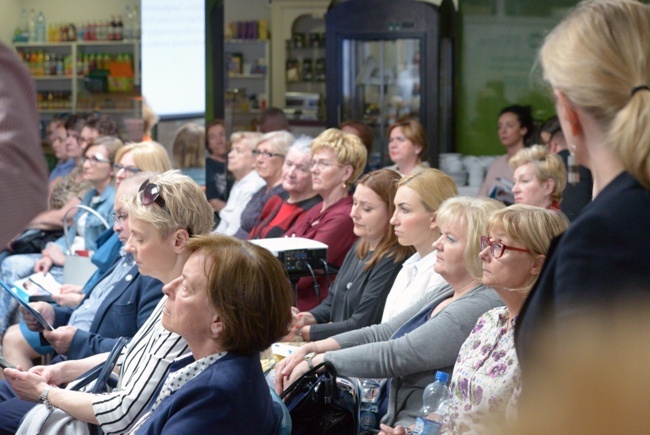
(144, 364)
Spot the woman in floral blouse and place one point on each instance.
(486, 377)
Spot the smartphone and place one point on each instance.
(6, 364)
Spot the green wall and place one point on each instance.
(498, 47)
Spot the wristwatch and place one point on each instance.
(43, 398)
(309, 357)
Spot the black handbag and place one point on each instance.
(33, 241)
(322, 404)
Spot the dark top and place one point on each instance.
(254, 208)
(216, 180)
(278, 216)
(601, 260)
(356, 297)
(576, 196)
(333, 227)
(229, 397)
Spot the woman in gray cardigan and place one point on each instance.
(424, 338)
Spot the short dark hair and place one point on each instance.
(104, 125)
(249, 290)
(273, 119)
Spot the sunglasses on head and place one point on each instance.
(150, 193)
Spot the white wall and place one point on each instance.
(58, 11)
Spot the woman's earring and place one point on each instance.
(573, 170)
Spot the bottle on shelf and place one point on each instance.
(24, 26)
(31, 25)
(40, 27)
(136, 22)
(435, 402)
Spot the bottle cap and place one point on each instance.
(442, 377)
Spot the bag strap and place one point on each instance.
(82, 207)
(107, 369)
(329, 368)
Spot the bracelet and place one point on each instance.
(43, 398)
(408, 430)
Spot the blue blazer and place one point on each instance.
(230, 397)
(128, 305)
(603, 258)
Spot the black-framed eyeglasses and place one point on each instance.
(266, 154)
(497, 248)
(119, 218)
(97, 158)
(150, 193)
(130, 169)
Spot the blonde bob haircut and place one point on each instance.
(532, 227)
(248, 138)
(186, 206)
(545, 165)
(432, 186)
(347, 148)
(248, 289)
(473, 213)
(279, 140)
(596, 57)
(148, 156)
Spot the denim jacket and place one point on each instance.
(94, 227)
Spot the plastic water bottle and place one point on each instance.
(40, 27)
(369, 407)
(31, 25)
(434, 406)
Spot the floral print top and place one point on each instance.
(486, 380)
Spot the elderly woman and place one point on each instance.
(417, 200)
(232, 302)
(241, 164)
(141, 156)
(285, 209)
(167, 210)
(540, 177)
(602, 258)
(424, 338)
(513, 254)
(407, 146)
(269, 155)
(337, 160)
(357, 295)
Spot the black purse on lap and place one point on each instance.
(322, 404)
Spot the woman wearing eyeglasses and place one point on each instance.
(426, 337)
(337, 160)
(168, 209)
(142, 156)
(540, 177)
(269, 161)
(285, 209)
(84, 231)
(241, 164)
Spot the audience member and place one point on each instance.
(363, 132)
(356, 297)
(189, 152)
(515, 130)
(600, 259)
(273, 119)
(577, 193)
(407, 146)
(137, 157)
(241, 164)
(232, 302)
(417, 201)
(412, 346)
(540, 177)
(114, 306)
(168, 209)
(269, 155)
(285, 209)
(337, 160)
(216, 181)
(57, 136)
(20, 148)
